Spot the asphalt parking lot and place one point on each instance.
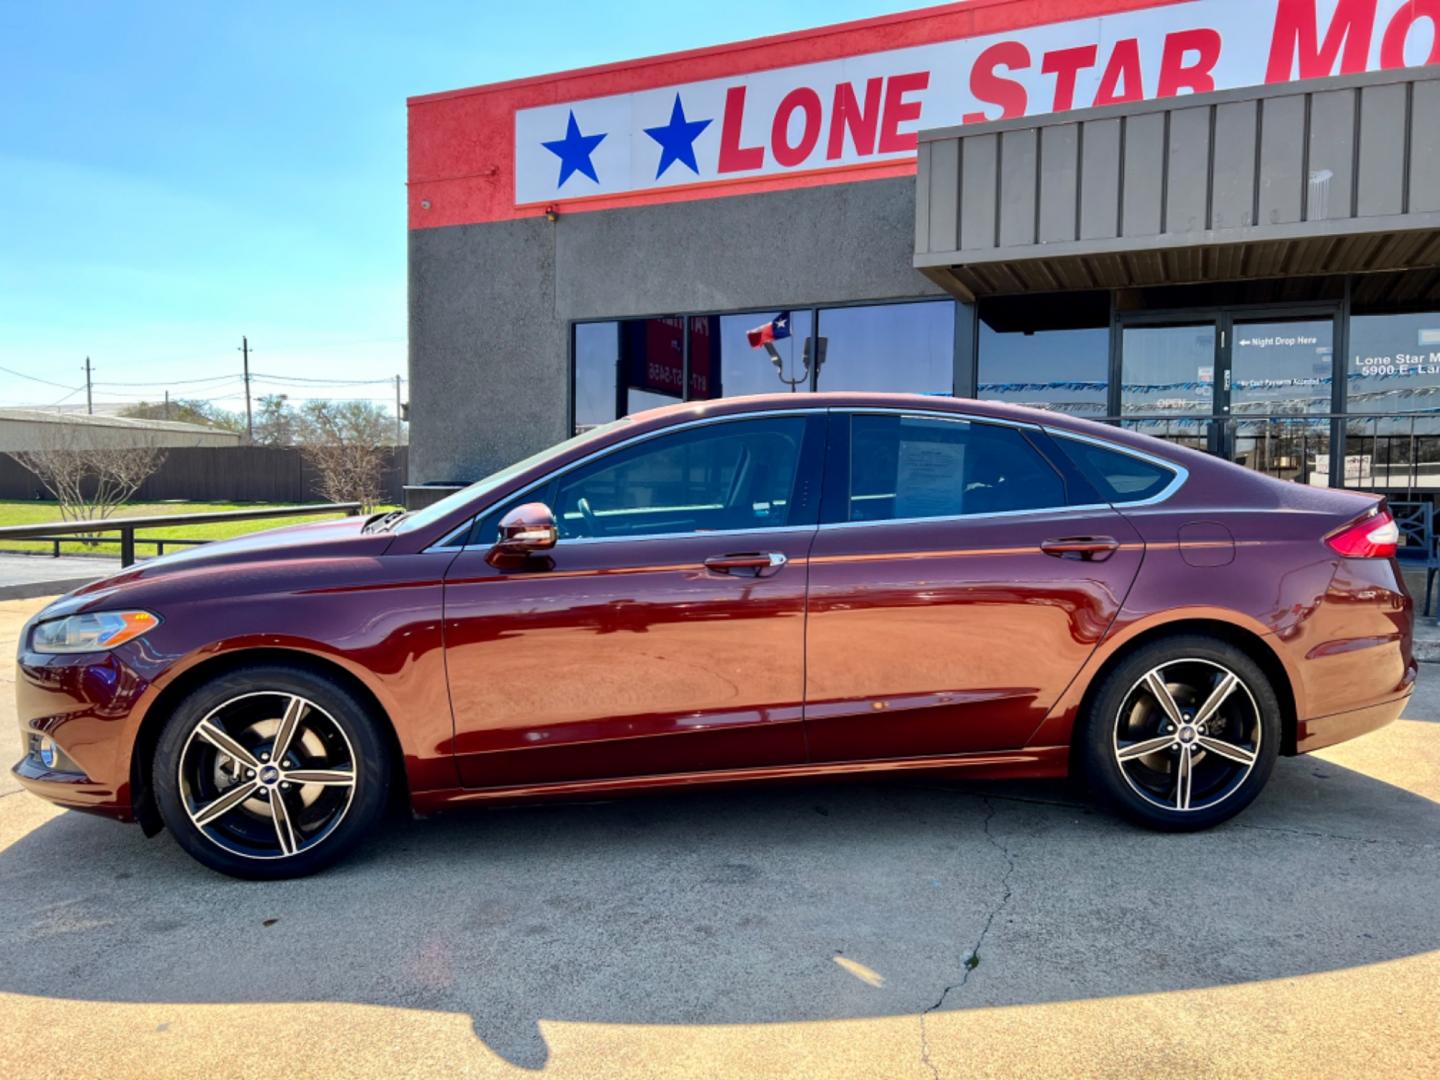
(914, 928)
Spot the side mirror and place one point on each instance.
(525, 530)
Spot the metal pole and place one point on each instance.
(397, 410)
(167, 404)
(89, 403)
(249, 416)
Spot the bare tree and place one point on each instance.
(186, 410)
(345, 441)
(88, 480)
(276, 422)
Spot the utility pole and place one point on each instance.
(167, 404)
(398, 435)
(249, 416)
(89, 402)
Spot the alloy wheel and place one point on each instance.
(267, 775)
(1187, 735)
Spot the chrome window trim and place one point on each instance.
(1179, 472)
(1042, 511)
(936, 414)
(688, 536)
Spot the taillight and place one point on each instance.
(1373, 537)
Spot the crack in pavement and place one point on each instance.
(1317, 834)
(973, 960)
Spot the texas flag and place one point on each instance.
(774, 330)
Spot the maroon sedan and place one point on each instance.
(750, 589)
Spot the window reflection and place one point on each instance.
(1393, 452)
(1049, 352)
(903, 348)
(723, 364)
(1282, 366)
(1168, 369)
(652, 356)
(908, 467)
(597, 349)
(1287, 448)
(719, 477)
(1394, 363)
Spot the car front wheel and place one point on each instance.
(1182, 734)
(270, 772)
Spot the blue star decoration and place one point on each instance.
(574, 151)
(677, 139)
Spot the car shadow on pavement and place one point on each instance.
(740, 906)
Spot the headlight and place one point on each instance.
(92, 632)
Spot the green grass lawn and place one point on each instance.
(18, 512)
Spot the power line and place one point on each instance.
(33, 379)
(325, 382)
(170, 382)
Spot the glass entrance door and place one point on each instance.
(1167, 381)
(1256, 389)
(1281, 394)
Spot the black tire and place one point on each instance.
(1150, 786)
(193, 775)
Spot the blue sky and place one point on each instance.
(174, 175)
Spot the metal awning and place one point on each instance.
(1338, 175)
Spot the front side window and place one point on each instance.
(905, 467)
(725, 476)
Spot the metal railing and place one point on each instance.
(57, 531)
(1390, 452)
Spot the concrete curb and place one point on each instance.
(31, 589)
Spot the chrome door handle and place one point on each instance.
(756, 563)
(1090, 548)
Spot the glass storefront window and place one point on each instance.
(723, 363)
(1394, 363)
(652, 362)
(1281, 366)
(1046, 352)
(900, 348)
(1191, 431)
(597, 351)
(1397, 452)
(1287, 448)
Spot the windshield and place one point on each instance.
(457, 499)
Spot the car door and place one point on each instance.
(960, 579)
(664, 633)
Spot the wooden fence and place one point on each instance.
(278, 474)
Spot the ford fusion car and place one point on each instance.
(751, 589)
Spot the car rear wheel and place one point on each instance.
(1182, 734)
(270, 772)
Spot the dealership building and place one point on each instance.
(1215, 221)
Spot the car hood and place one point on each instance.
(314, 540)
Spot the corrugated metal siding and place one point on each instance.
(1331, 175)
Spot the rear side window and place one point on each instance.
(904, 467)
(1118, 476)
